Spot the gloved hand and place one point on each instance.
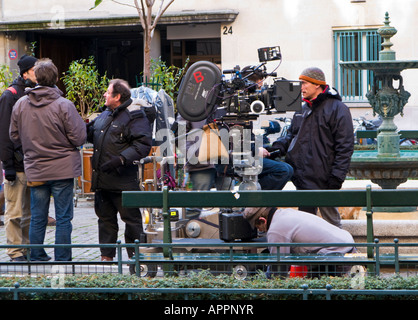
(10, 174)
(275, 154)
(334, 183)
(112, 165)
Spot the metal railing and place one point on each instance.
(219, 253)
(367, 198)
(173, 257)
(224, 255)
(304, 292)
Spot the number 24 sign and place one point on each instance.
(226, 30)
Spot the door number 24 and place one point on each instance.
(226, 30)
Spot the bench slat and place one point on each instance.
(270, 198)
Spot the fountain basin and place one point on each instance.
(387, 172)
(387, 67)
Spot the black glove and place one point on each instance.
(113, 164)
(10, 174)
(275, 154)
(334, 183)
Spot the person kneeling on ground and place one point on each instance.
(293, 226)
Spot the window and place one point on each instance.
(195, 50)
(363, 45)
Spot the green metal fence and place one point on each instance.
(368, 198)
(228, 259)
(403, 134)
(220, 253)
(231, 254)
(304, 293)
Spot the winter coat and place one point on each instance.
(50, 130)
(125, 132)
(11, 154)
(320, 143)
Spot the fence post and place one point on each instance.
(369, 216)
(328, 293)
(305, 288)
(119, 249)
(377, 271)
(166, 216)
(137, 269)
(16, 291)
(168, 252)
(396, 253)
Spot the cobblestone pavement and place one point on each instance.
(85, 231)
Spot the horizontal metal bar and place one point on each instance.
(408, 134)
(224, 291)
(370, 134)
(271, 198)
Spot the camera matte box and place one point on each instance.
(199, 90)
(287, 95)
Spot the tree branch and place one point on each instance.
(141, 14)
(123, 4)
(161, 11)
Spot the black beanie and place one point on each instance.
(25, 63)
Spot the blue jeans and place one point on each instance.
(203, 179)
(63, 192)
(275, 174)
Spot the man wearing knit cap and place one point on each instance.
(294, 226)
(17, 194)
(320, 141)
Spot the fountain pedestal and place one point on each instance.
(388, 166)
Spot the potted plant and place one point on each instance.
(84, 86)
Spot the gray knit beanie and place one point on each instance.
(313, 75)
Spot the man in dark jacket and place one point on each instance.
(17, 195)
(120, 135)
(320, 140)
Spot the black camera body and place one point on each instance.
(233, 226)
(204, 89)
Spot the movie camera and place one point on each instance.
(205, 89)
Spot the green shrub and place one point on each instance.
(6, 77)
(84, 86)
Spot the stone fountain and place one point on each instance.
(388, 166)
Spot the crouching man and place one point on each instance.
(294, 226)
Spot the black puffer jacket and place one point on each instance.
(320, 143)
(10, 154)
(124, 132)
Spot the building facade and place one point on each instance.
(228, 32)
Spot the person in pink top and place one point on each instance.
(288, 226)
